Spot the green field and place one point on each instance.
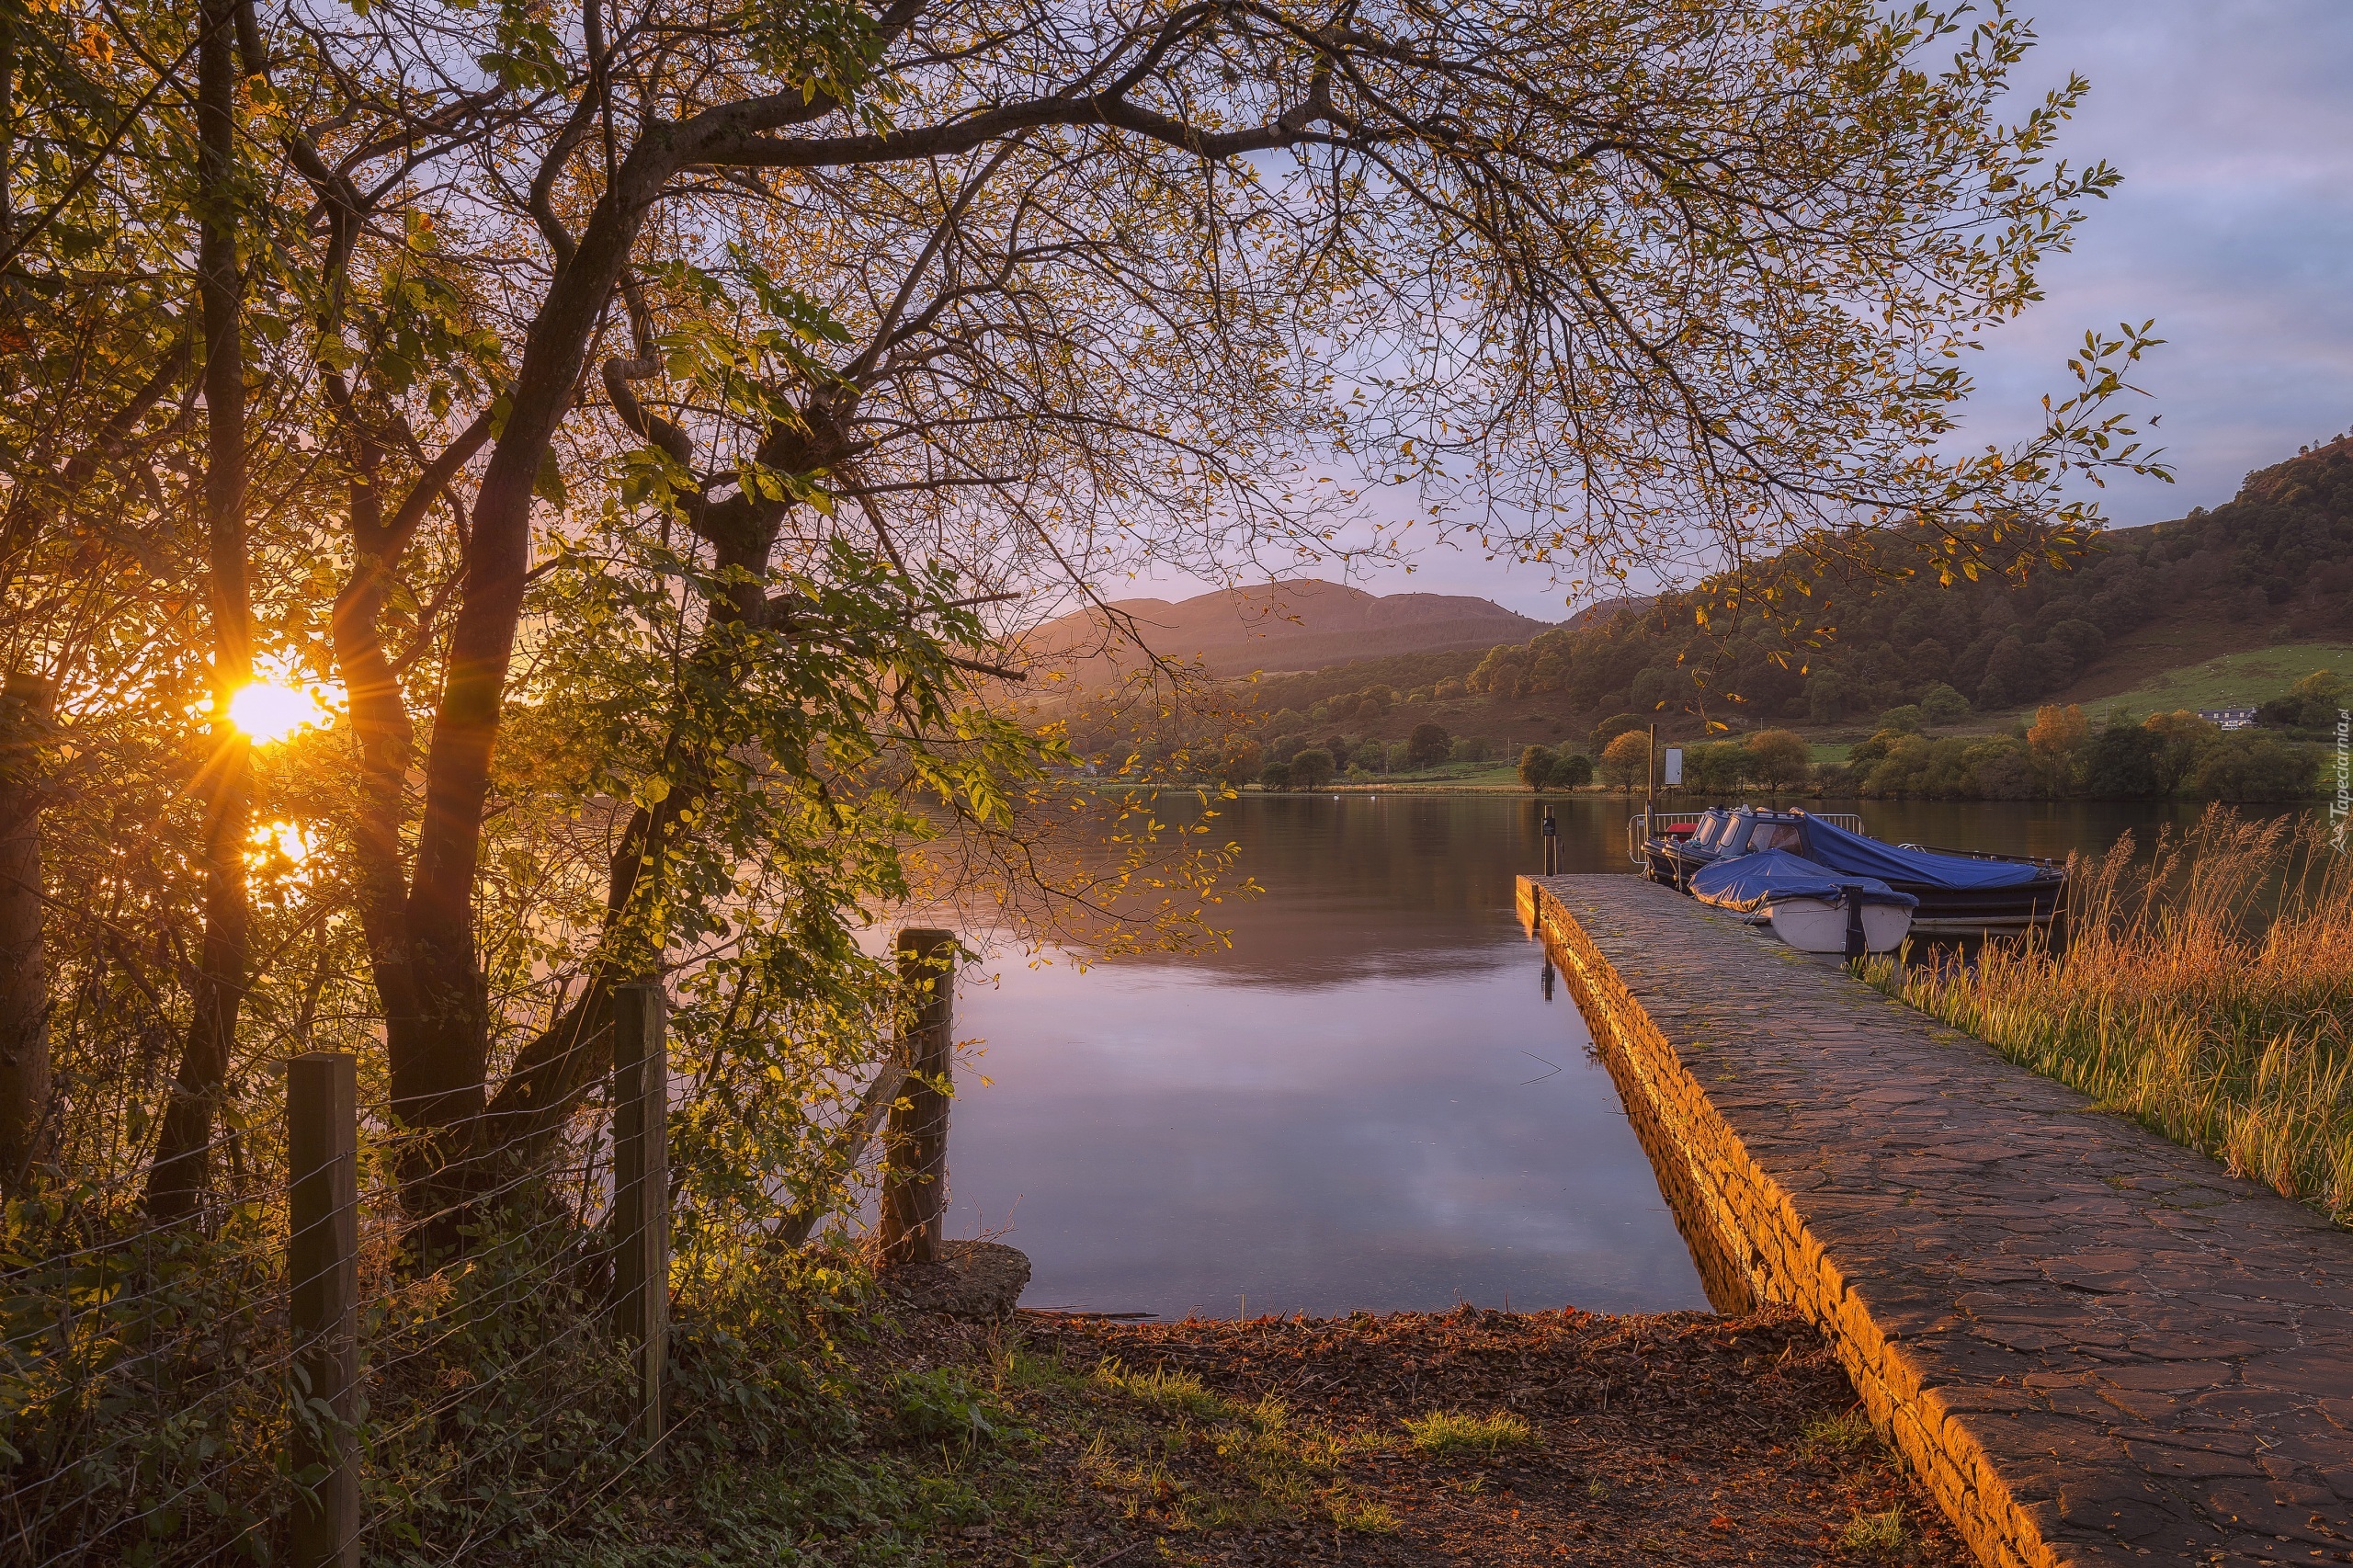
(2233, 680)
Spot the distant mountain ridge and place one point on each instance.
(1304, 624)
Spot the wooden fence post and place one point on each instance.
(914, 1169)
(642, 1188)
(323, 1269)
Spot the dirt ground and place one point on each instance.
(1464, 1438)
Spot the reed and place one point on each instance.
(2207, 991)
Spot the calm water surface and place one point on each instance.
(1368, 1101)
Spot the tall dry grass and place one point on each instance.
(2207, 991)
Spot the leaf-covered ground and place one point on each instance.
(1464, 1438)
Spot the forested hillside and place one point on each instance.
(2275, 564)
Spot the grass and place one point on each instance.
(2228, 680)
(1848, 1432)
(2206, 993)
(1875, 1532)
(1210, 1462)
(1446, 1432)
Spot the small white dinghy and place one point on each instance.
(1813, 908)
(1819, 925)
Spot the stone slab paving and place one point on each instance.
(2097, 1345)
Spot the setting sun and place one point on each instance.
(266, 711)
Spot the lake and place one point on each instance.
(1369, 1101)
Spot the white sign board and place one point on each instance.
(1674, 765)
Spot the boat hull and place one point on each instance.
(1968, 912)
(1818, 925)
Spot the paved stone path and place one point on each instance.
(2097, 1345)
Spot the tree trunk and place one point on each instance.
(226, 786)
(24, 972)
(440, 1056)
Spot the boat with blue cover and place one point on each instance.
(1960, 893)
(1812, 908)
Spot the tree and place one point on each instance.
(1777, 758)
(1240, 762)
(1626, 761)
(1610, 728)
(2120, 762)
(1715, 770)
(2182, 735)
(1310, 769)
(1570, 770)
(2057, 732)
(1427, 746)
(2010, 676)
(1275, 776)
(659, 485)
(2056, 740)
(1535, 766)
(1907, 720)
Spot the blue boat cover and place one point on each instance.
(1829, 846)
(1747, 883)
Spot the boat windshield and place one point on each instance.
(1773, 832)
(1712, 823)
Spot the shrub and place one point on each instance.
(2249, 766)
(1536, 767)
(1427, 746)
(1908, 720)
(1868, 752)
(1469, 748)
(1940, 704)
(2000, 769)
(1310, 769)
(1447, 690)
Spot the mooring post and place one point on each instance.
(323, 1311)
(641, 1190)
(1551, 845)
(914, 1170)
(1650, 789)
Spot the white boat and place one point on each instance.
(1812, 908)
(1819, 925)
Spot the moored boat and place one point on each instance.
(1960, 893)
(1811, 909)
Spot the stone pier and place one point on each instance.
(2095, 1345)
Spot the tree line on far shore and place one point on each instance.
(2061, 755)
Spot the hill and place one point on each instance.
(2271, 570)
(1301, 625)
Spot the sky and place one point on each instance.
(2231, 122)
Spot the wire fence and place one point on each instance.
(349, 1351)
(370, 1343)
